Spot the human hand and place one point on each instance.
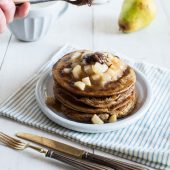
(8, 11)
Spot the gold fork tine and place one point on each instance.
(10, 138)
(14, 143)
(11, 144)
(17, 144)
(8, 144)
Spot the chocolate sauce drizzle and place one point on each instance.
(95, 57)
(80, 2)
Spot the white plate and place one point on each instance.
(45, 86)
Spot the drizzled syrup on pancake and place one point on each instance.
(53, 103)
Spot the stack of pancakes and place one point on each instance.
(111, 93)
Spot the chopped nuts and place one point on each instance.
(87, 81)
(96, 119)
(77, 71)
(80, 85)
(112, 119)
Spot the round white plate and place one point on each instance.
(45, 87)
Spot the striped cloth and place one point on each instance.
(146, 142)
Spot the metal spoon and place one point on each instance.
(74, 2)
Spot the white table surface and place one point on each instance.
(92, 28)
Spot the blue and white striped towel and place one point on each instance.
(146, 142)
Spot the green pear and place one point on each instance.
(136, 14)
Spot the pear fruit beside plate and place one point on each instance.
(136, 14)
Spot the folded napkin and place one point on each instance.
(146, 142)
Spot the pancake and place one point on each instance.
(125, 110)
(125, 82)
(88, 83)
(99, 102)
(71, 103)
(103, 102)
(81, 117)
(129, 100)
(86, 117)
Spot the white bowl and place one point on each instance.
(38, 22)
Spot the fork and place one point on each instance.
(74, 2)
(79, 164)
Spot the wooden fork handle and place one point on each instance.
(75, 162)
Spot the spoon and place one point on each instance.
(74, 2)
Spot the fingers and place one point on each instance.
(22, 10)
(8, 11)
(2, 21)
(8, 8)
